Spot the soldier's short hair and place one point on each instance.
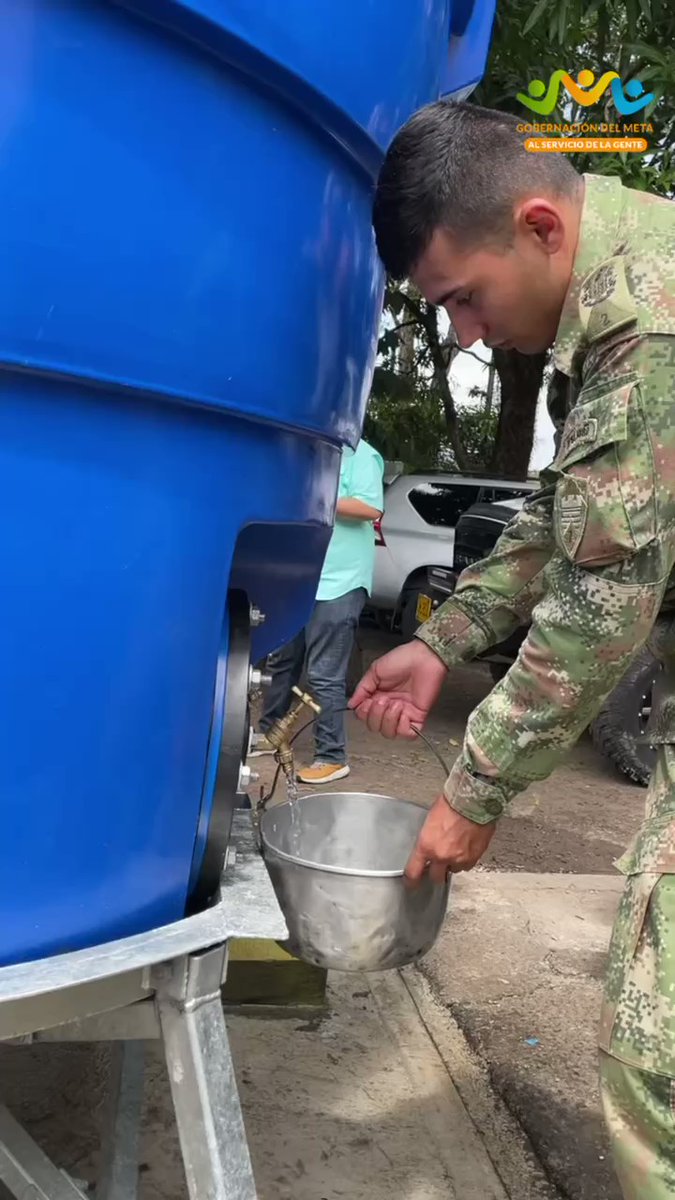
(463, 168)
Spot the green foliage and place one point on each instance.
(634, 37)
(407, 422)
(478, 428)
(413, 415)
(411, 429)
(407, 425)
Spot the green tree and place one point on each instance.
(413, 415)
(634, 37)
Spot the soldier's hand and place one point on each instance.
(399, 690)
(447, 842)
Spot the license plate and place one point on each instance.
(425, 607)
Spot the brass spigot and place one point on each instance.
(279, 735)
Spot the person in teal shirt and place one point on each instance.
(324, 646)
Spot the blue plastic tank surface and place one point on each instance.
(189, 302)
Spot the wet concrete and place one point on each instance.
(354, 1102)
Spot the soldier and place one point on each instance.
(526, 254)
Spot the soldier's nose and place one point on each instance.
(467, 332)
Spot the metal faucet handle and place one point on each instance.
(307, 699)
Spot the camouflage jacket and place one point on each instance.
(589, 558)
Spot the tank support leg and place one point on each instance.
(118, 1178)
(201, 1074)
(25, 1170)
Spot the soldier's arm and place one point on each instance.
(613, 522)
(495, 596)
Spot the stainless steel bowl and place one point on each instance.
(336, 861)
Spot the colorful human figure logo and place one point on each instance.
(586, 90)
(632, 98)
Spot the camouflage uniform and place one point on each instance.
(589, 560)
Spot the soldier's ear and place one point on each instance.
(541, 222)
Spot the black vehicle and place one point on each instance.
(623, 718)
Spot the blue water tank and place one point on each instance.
(189, 301)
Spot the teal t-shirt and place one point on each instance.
(350, 557)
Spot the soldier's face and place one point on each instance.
(510, 296)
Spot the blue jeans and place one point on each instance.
(324, 645)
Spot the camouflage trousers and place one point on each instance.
(637, 1039)
(640, 1118)
(637, 1028)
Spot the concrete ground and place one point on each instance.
(354, 1102)
(470, 1077)
(519, 965)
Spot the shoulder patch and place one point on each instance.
(605, 300)
(571, 513)
(582, 432)
(599, 285)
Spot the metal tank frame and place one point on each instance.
(164, 984)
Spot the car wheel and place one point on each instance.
(408, 622)
(498, 670)
(623, 720)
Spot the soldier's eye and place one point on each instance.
(465, 300)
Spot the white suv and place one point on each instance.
(417, 531)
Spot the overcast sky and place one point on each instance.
(466, 373)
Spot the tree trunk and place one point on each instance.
(406, 361)
(440, 361)
(520, 378)
(490, 391)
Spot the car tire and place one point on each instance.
(623, 718)
(408, 622)
(497, 670)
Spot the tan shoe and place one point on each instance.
(323, 772)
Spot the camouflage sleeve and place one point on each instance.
(613, 526)
(495, 596)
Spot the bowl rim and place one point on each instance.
(361, 873)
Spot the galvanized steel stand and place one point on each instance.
(164, 984)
